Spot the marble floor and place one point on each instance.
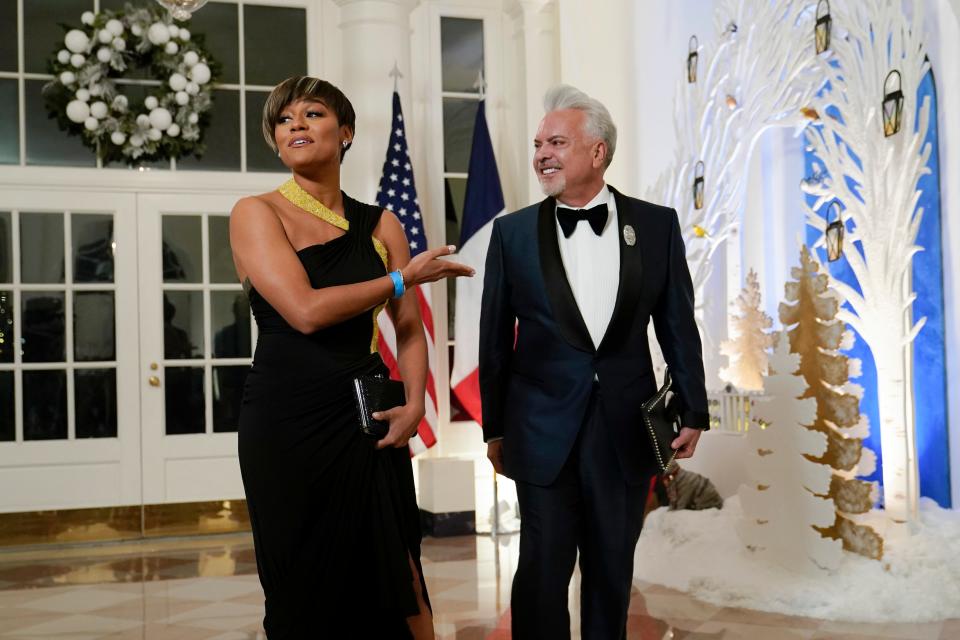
(207, 588)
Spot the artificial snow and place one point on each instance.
(917, 580)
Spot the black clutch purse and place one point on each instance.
(661, 416)
(372, 394)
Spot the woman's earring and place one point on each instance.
(345, 143)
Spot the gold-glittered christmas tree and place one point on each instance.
(747, 348)
(817, 336)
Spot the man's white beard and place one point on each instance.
(555, 188)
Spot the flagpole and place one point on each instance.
(396, 75)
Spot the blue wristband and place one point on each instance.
(398, 287)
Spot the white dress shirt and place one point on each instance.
(592, 264)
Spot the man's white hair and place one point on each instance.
(599, 124)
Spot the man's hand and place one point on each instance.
(685, 444)
(495, 455)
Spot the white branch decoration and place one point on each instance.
(875, 178)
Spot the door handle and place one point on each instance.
(154, 381)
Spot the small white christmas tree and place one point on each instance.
(747, 350)
(816, 335)
(784, 505)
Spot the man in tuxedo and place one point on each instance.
(570, 285)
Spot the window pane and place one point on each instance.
(260, 157)
(43, 338)
(184, 400)
(6, 326)
(216, 28)
(227, 393)
(182, 324)
(6, 247)
(92, 248)
(230, 325)
(41, 248)
(9, 122)
(458, 117)
(44, 405)
(8, 36)
(182, 249)
(461, 52)
(266, 63)
(42, 33)
(7, 410)
(221, 256)
(94, 333)
(95, 399)
(46, 143)
(222, 137)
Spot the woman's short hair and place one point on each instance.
(599, 124)
(298, 88)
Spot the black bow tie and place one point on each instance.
(568, 218)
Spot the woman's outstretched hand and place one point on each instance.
(428, 267)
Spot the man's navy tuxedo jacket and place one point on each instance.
(538, 362)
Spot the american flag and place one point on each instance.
(398, 193)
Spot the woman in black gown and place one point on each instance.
(334, 514)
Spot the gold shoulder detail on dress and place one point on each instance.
(300, 198)
(381, 250)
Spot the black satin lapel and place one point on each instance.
(564, 305)
(631, 271)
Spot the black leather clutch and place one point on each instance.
(372, 394)
(661, 417)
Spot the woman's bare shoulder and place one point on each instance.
(258, 205)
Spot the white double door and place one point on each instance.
(124, 343)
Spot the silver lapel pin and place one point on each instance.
(629, 235)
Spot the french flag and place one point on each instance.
(482, 203)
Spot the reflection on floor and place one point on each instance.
(207, 588)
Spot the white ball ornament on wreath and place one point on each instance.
(177, 82)
(99, 110)
(83, 95)
(115, 27)
(151, 102)
(96, 89)
(77, 60)
(161, 119)
(67, 78)
(91, 124)
(184, 35)
(173, 130)
(182, 98)
(154, 135)
(77, 111)
(136, 140)
(120, 103)
(190, 58)
(171, 48)
(104, 54)
(193, 88)
(118, 138)
(104, 36)
(200, 73)
(158, 34)
(119, 44)
(76, 41)
(173, 30)
(136, 30)
(193, 118)
(63, 56)
(143, 121)
(87, 18)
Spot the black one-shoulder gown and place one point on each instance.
(334, 519)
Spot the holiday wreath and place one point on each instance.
(86, 96)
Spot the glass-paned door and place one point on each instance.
(197, 345)
(69, 403)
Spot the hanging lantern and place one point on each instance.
(824, 25)
(698, 186)
(181, 9)
(692, 57)
(834, 232)
(892, 103)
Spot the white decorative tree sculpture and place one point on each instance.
(870, 141)
(747, 348)
(760, 73)
(784, 506)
